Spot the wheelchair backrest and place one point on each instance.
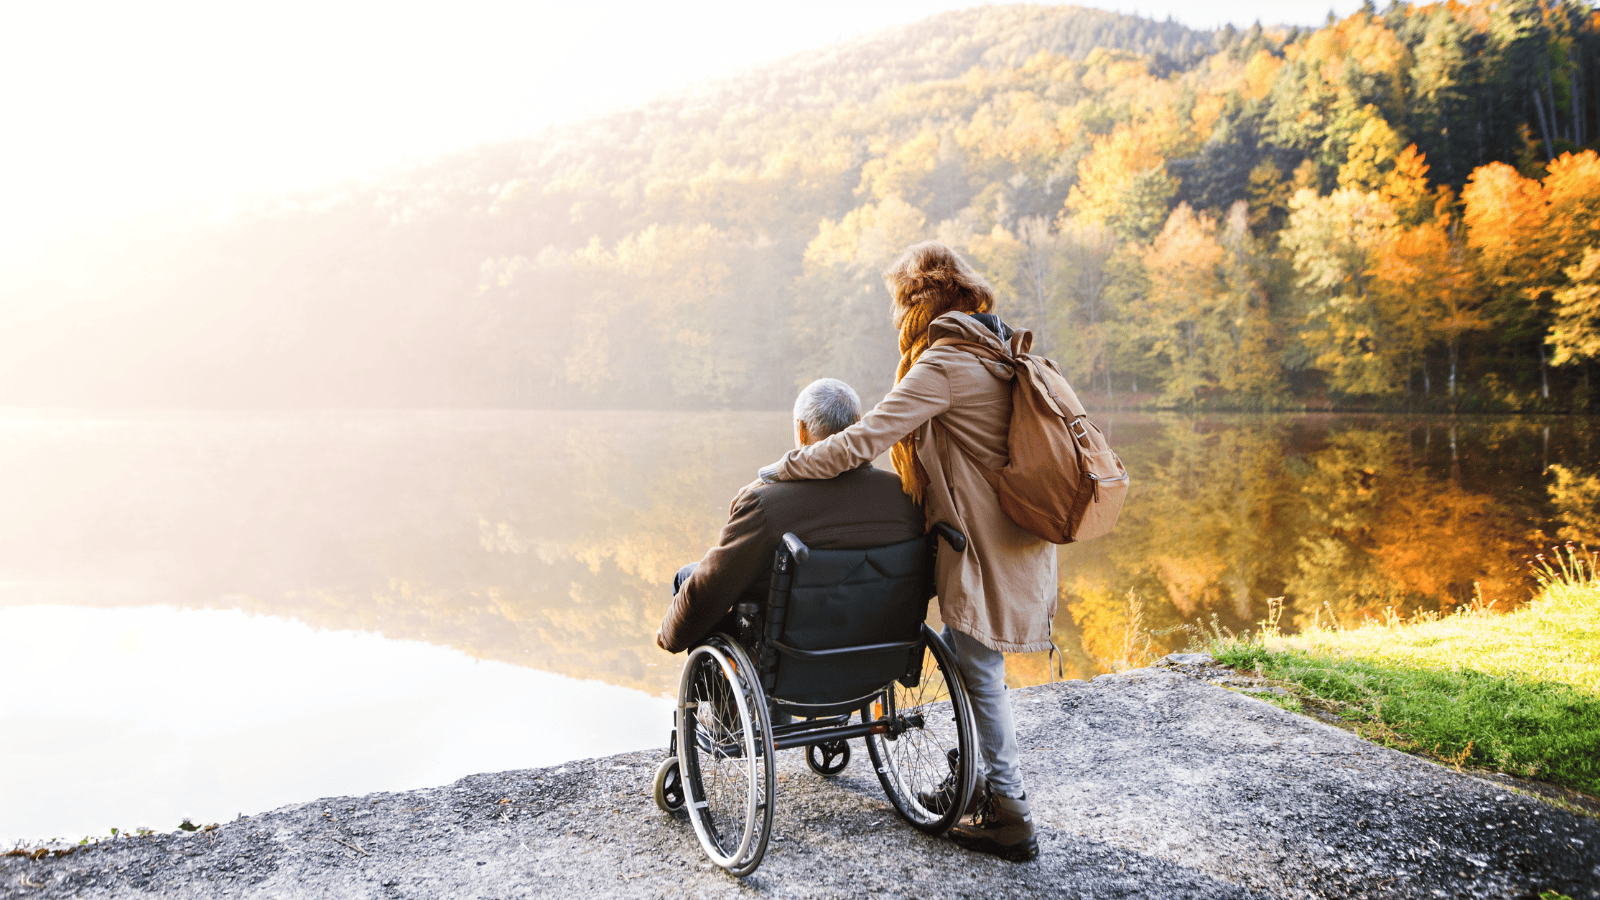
(840, 624)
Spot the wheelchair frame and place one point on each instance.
(721, 770)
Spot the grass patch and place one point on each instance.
(1518, 692)
(1534, 729)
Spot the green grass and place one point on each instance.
(1518, 692)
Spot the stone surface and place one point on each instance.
(1159, 786)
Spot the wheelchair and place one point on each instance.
(838, 650)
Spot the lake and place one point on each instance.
(211, 613)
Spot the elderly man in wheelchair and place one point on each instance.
(804, 628)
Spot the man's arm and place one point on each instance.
(743, 554)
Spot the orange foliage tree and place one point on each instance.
(1529, 239)
(1424, 288)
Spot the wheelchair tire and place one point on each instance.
(928, 784)
(725, 754)
(669, 785)
(828, 757)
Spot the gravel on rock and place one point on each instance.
(1150, 784)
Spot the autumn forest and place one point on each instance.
(1399, 210)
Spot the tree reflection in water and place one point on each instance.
(1344, 517)
(548, 539)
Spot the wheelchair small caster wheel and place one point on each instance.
(669, 786)
(828, 757)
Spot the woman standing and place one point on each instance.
(998, 596)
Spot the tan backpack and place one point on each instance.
(1063, 483)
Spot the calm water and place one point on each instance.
(203, 614)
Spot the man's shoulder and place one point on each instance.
(864, 505)
(870, 474)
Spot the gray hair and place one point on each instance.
(826, 407)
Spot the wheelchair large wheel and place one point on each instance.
(925, 781)
(725, 754)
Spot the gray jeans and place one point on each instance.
(985, 673)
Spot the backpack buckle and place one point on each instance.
(1078, 429)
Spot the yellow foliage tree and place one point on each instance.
(1021, 128)
(896, 173)
(1356, 48)
(1260, 73)
(1572, 188)
(1372, 154)
(1085, 347)
(1123, 182)
(1030, 268)
(842, 321)
(1250, 367)
(669, 282)
(1177, 317)
(1575, 333)
(1337, 242)
(1269, 193)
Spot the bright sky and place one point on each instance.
(109, 106)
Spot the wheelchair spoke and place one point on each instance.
(725, 752)
(916, 764)
(726, 773)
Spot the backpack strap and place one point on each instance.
(1026, 365)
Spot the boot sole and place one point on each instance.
(1022, 851)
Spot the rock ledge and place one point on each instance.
(1149, 785)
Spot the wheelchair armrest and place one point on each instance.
(797, 549)
(956, 540)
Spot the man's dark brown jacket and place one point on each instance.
(864, 507)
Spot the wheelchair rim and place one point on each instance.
(750, 745)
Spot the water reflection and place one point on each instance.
(1345, 517)
(145, 716)
(546, 539)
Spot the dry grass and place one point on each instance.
(1555, 638)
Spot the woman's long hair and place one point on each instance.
(927, 281)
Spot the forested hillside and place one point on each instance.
(1401, 209)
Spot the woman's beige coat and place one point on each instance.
(1002, 590)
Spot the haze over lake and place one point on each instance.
(209, 613)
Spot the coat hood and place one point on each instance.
(983, 328)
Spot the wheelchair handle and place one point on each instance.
(956, 540)
(797, 549)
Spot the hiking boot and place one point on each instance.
(939, 799)
(1003, 828)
